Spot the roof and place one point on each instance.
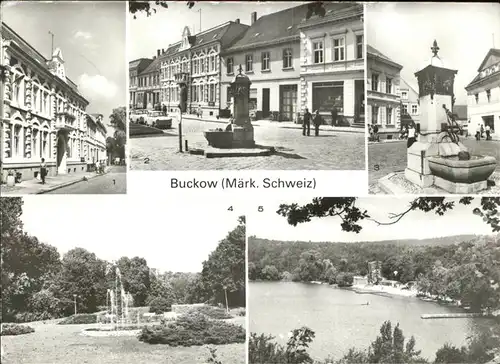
(154, 66)
(404, 82)
(137, 62)
(460, 111)
(491, 52)
(334, 12)
(9, 34)
(370, 50)
(281, 25)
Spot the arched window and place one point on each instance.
(35, 141)
(18, 86)
(195, 65)
(18, 149)
(212, 90)
(45, 142)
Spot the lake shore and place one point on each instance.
(383, 290)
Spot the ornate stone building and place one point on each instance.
(137, 81)
(43, 113)
(196, 60)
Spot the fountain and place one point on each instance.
(438, 158)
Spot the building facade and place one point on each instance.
(483, 94)
(136, 67)
(383, 82)
(196, 61)
(332, 63)
(409, 108)
(43, 113)
(269, 53)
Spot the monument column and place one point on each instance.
(243, 135)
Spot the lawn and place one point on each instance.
(140, 129)
(54, 344)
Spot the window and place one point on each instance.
(339, 49)
(264, 66)
(325, 95)
(318, 52)
(44, 143)
(230, 65)
(211, 92)
(374, 115)
(359, 46)
(476, 96)
(388, 116)
(35, 143)
(228, 95)
(388, 85)
(249, 63)
(287, 58)
(374, 82)
(414, 109)
(17, 140)
(212, 63)
(202, 98)
(405, 109)
(488, 95)
(404, 95)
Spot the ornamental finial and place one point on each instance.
(240, 70)
(435, 48)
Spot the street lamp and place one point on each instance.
(182, 79)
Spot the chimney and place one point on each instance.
(254, 17)
(158, 52)
(237, 21)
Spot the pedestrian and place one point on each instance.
(376, 137)
(43, 170)
(478, 132)
(164, 109)
(482, 131)
(411, 135)
(488, 132)
(318, 120)
(306, 123)
(200, 111)
(334, 116)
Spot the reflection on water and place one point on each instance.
(342, 319)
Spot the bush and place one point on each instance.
(15, 329)
(344, 279)
(211, 312)
(160, 305)
(79, 319)
(193, 330)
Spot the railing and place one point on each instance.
(181, 77)
(337, 66)
(65, 121)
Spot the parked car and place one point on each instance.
(137, 116)
(158, 120)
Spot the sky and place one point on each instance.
(171, 235)
(147, 34)
(415, 225)
(91, 36)
(464, 32)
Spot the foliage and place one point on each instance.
(148, 7)
(344, 279)
(135, 278)
(160, 305)
(211, 312)
(262, 349)
(79, 319)
(350, 215)
(15, 329)
(115, 145)
(193, 330)
(451, 354)
(212, 356)
(270, 273)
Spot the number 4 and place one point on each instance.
(230, 208)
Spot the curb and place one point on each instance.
(66, 184)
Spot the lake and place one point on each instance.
(341, 319)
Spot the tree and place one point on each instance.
(345, 208)
(310, 266)
(252, 271)
(451, 354)
(118, 118)
(135, 277)
(344, 279)
(270, 273)
(148, 7)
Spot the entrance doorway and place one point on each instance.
(265, 102)
(61, 153)
(288, 104)
(489, 120)
(359, 100)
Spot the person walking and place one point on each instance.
(318, 120)
(488, 132)
(411, 136)
(334, 116)
(482, 131)
(43, 170)
(306, 123)
(478, 132)
(376, 137)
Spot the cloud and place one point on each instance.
(84, 35)
(97, 86)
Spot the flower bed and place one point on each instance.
(79, 319)
(15, 329)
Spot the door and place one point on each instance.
(265, 102)
(288, 102)
(359, 100)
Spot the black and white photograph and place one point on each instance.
(433, 103)
(63, 97)
(353, 280)
(246, 85)
(120, 286)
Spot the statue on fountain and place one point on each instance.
(438, 158)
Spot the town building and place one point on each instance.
(43, 114)
(196, 61)
(269, 53)
(96, 134)
(483, 93)
(460, 115)
(136, 67)
(409, 109)
(384, 101)
(332, 63)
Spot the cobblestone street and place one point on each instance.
(385, 158)
(329, 151)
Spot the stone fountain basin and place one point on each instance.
(219, 139)
(110, 330)
(476, 169)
